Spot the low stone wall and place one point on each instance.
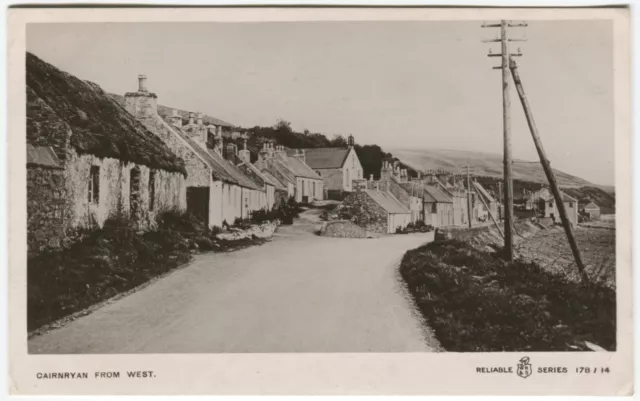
(459, 233)
(343, 229)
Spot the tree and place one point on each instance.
(283, 125)
(338, 141)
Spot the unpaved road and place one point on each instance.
(297, 293)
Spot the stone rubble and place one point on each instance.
(264, 230)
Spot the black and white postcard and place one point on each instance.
(320, 201)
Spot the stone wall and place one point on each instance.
(460, 233)
(365, 212)
(333, 178)
(343, 229)
(46, 207)
(114, 191)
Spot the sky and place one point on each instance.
(401, 85)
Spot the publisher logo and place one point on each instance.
(524, 368)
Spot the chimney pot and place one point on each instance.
(142, 83)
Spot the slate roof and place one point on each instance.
(298, 168)
(434, 194)
(274, 181)
(254, 174)
(387, 201)
(59, 103)
(222, 170)
(591, 205)
(43, 156)
(323, 158)
(565, 198)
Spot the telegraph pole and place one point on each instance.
(469, 195)
(506, 124)
(548, 172)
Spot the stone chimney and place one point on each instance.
(300, 155)
(219, 143)
(199, 121)
(370, 177)
(232, 151)
(141, 104)
(175, 119)
(244, 154)
(386, 171)
(191, 117)
(280, 152)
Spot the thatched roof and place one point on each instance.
(59, 103)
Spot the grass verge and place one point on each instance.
(476, 302)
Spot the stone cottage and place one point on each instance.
(570, 205)
(438, 207)
(376, 210)
(338, 167)
(307, 184)
(592, 209)
(88, 159)
(216, 190)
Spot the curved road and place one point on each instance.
(297, 293)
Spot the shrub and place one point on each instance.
(175, 220)
(475, 301)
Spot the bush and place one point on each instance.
(475, 301)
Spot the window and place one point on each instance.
(94, 185)
(434, 208)
(550, 204)
(570, 204)
(134, 192)
(152, 189)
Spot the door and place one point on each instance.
(198, 203)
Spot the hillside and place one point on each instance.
(487, 169)
(482, 165)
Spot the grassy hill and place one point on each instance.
(482, 165)
(487, 169)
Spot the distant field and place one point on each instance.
(550, 249)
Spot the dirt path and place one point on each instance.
(297, 293)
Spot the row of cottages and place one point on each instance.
(218, 190)
(89, 160)
(303, 183)
(439, 198)
(338, 167)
